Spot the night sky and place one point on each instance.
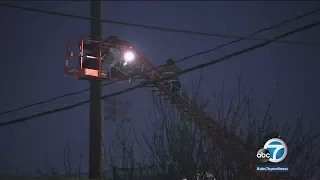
(33, 59)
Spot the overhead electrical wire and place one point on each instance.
(212, 62)
(255, 33)
(150, 26)
(50, 100)
(178, 61)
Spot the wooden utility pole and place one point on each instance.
(96, 150)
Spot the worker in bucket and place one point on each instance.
(94, 50)
(170, 69)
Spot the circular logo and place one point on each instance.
(263, 155)
(277, 148)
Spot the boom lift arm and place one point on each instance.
(126, 64)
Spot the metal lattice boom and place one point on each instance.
(141, 71)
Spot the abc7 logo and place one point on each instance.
(275, 150)
(263, 155)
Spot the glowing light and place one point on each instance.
(129, 56)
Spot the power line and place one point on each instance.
(212, 62)
(150, 26)
(255, 33)
(50, 100)
(180, 60)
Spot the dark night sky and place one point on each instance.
(33, 57)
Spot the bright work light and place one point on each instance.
(129, 56)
